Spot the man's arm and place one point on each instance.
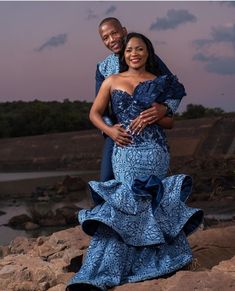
(99, 78)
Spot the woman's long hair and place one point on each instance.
(151, 63)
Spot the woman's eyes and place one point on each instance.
(140, 49)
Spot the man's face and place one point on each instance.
(112, 35)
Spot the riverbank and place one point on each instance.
(22, 184)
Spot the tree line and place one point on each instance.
(20, 118)
(36, 117)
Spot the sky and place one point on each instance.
(49, 49)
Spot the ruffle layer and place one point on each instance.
(148, 212)
(159, 90)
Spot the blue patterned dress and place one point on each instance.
(140, 222)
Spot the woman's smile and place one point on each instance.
(136, 53)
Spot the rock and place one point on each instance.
(43, 198)
(213, 245)
(62, 190)
(59, 287)
(2, 212)
(210, 175)
(39, 192)
(19, 221)
(4, 251)
(226, 266)
(69, 213)
(21, 245)
(45, 216)
(18, 269)
(47, 263)
(74, 183)
(52, 221)
(31, 226)
(41, 211)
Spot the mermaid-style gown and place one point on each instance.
(140, 222)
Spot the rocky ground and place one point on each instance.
(47, 263)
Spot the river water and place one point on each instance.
(10, 207)
(4, 177)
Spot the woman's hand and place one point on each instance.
(154, 113)
(137, 125)
(148, 116)
(120, 136)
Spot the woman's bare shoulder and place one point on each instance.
(114, 77)
(114, 80)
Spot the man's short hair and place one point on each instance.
(110, 19)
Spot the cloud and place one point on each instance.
(199, 43)
(224, 34)
(91, 14)
(202, 57)
(110, 10)
(217, 65)
(54, 41)
(173, 19)
(218, 34)
(229, 3)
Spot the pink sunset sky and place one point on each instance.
(49, 50)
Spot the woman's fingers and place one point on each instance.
(123, 138)
(135, 124)
(123, 141)
(139, 124)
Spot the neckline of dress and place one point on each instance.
(136, 87)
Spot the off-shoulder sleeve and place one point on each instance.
(173, 89)
(160, 90)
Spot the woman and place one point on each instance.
(140, 223)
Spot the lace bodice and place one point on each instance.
(127, 106)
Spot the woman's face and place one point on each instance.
(136, 53)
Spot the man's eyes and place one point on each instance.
(112, 33)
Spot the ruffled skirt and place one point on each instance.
(138, 229)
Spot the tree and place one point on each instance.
(20, 118)
(198, 111)
(194, 111)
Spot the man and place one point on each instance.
(112, 34)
